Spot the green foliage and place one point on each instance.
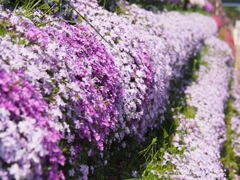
(204, 63)
(197, 61)
(3, 31)
(28, 7)
(154, 158)
(26, 4)
(232, 12)
(190, 111)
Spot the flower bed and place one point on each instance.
(82, 94)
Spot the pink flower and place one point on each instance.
(208, 6)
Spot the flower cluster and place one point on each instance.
(28, 136)
(88, 71)
(75, 75)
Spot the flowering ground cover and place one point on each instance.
(80, 95)
(206, 128)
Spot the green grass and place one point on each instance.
(27, 8)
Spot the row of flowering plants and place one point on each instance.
(203, 123)
(66, 93)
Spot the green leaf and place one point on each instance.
(45, 23)
(3, 31)
(79, 20)
(165, 133)
(55, 90)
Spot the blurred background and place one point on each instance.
(232, 10)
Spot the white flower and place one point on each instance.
(200, 3)
(85, 170)
(56, 112)
(134, 174)
(14, 20)
(71, 172)
(16, 171)
(72, 150)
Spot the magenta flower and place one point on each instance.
(208, 6)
